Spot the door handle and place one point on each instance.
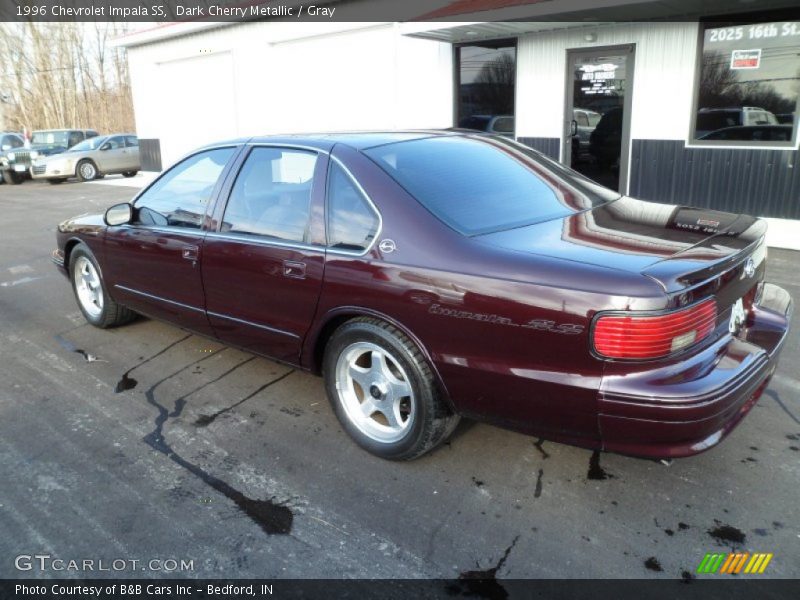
(294, 269)
(190, 253)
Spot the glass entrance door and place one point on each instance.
(597, 115)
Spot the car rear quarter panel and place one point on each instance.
(507, 332)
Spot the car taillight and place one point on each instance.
(643, 337)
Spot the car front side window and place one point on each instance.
(115, 143)
(272, 195)
(180, 197)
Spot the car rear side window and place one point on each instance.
(352, 223)
(131, 141)
(470, 185)
(180, 197)
(272, 195)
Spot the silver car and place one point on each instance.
(91, 159)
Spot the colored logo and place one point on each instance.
(734, 562)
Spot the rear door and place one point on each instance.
(153, 264)
(132, 153)
(263, 262)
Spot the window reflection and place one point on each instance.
(749, 83)
(486, 82)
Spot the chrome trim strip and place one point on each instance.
(263, 241)
(181, 304)
(196, 233)
(269, 144)
(371, 203)
(265, 327)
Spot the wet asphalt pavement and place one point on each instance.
(146, 442)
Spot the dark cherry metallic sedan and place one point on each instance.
(429, 275)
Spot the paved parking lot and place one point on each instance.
(146, 442)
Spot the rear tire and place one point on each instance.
(384, 392)
(12, 177)
(87, 170)
(97, 306)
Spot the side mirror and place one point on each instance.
(573, 127)
(105, 146)
(119, 214)
(6, 147)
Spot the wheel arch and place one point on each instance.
(86, 159)
(321, 332)
(69, 247)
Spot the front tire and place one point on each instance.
(130, 173)
(384, 392)
(97, 306)
(12, 177)
(87, 170)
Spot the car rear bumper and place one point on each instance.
(687, 407)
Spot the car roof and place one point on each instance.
(68, 129)
(359, 140)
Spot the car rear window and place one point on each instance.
(472, 186)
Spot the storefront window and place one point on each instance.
(749, 83)
(486, 74)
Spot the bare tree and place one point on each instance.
(64, 75)
(495, 85)
(717, 82)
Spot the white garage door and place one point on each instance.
(199, 103)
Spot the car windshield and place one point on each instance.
(477, 187)
(50, 138)
(90, 144)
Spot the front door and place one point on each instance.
(263, 264)
(153, 264)
(112, 154)
(597, 117)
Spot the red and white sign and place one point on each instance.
(745, 59)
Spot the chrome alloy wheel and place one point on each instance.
(88, 171)
(375, 392)
(88, 286)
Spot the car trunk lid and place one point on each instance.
(678, 247)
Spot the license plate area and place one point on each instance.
(738, 317)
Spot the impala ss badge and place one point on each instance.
(537, 324)
(387, 246)
(749, 268)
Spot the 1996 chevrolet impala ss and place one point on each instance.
(430, 275)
